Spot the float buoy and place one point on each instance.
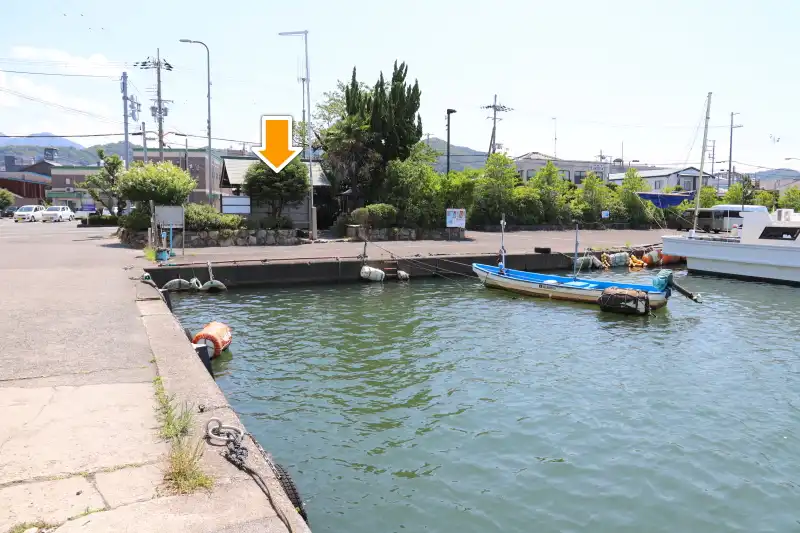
(177, 284)
(216, 335)
(372, 274)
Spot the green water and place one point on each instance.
(447, 407)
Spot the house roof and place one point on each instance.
(235, 167)
(27, 177)
(536, 155)
(689, 172)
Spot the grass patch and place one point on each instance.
(150, 254)
(183, 474)
(175, 422)
(87, 512)
(21, 528)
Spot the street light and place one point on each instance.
(449, 112)
(312, 215)
(209, 162)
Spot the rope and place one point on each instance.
(236, 453)
(423, 265)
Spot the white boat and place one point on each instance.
(767, 249)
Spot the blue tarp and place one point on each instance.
(664, 200)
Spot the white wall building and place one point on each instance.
(572, 170)
(660, 179)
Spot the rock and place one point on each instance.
(243, 233)
(213, 235)
(270, 238)
(261, 234)
(252, 240)
(203, 235)
(241, 241)
(226, 242)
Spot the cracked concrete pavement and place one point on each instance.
(79, 445)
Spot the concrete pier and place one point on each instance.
(83, 340)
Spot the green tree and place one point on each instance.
(161, 182)
(277, 189)
(332, 108)
(637, 210)
(554, 193)
(494, 191)
(103, 187)
(790, 199)
(741, 193)
(458, 188)
(414, 188)
(6, 198)
(708, 197)
(734, 194)
(592, 199)
(766, 198)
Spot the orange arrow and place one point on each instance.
(276, 149)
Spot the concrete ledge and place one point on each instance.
(49, 501)
(185, 378)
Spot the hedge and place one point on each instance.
(203, 217)
(375, 215)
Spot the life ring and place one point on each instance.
(290, 488)
(216, 335)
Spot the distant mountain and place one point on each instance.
(777, 174)
(33, 140)
(461, 157)
(67, 155)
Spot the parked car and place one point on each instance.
(57, 213)
(8, 212)
(29, 213)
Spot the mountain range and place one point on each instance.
(461, 157)
(39, 139)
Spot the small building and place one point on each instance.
(65, 186)
(234, 169)
(196, 166)
(658, 180)
(27, 187)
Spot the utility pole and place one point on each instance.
(555, 137)
(125, 116)
(495, 107)
(449, 112)
(730, 152)
(713, 160)
(159, 111)
(699, 184)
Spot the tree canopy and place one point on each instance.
(277, 189)
(103, 187)
(6, 198)
(161, 182)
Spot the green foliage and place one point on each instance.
(526, 206)
(741, 193)
(161, 182)
(203, 217)
(734, 194)
(414, 189)
(790, 199)
(277, 189)
(102, 220)
(769, 199)
(103, 187)
(458, 189)
(270, 222)
(554, 193)
(137, 220)
(708, 197)
(375, 215)
(494, 191)
(639, 212)
(6, 199)
(592, 199)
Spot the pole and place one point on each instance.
(159, 110)
(210, 162)
(555, 137)
(494, 124)
(702, 164)
(575, 258)
(503, 243)
(303, 140)
(144, 142)
(448, 144)
(312, 219)
(125, 116)
(730, 154)
(186, 153)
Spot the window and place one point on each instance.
(688, 185)
(529, 173)
(658, 184)
(579, 176)
(564, 174)
(66, 180)
(778, 233)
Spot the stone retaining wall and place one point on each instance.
(361, 233)
(204, 239)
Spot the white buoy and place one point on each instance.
(402, 275)
(372, 274)
(177, 285)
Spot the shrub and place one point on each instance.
(6, 198)
(137, 220)
(526, 206)
(163, 183)
(203, 217)
(270, 222)
(102, 220)
(375, 215)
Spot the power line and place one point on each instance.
(52, 135)
(59, 106)
(58, 74)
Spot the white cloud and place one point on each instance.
(59, 60)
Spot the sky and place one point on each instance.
(628, 78)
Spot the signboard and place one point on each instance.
(596, 167)
(456, 218)
(605, 214)
(169, 215)
(87, 206)
(236, 205)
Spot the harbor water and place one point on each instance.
(442, 406)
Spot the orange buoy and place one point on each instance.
(670, 259)
(216, 335)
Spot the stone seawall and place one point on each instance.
(205, 239)
(361, 233)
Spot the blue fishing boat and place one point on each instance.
(626, 298)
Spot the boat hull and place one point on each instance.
(757, 262)
(538, 286)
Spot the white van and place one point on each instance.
(726, 215)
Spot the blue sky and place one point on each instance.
(632, 72)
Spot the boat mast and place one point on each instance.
(575, 259)
(502, 241)
(699, 185)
